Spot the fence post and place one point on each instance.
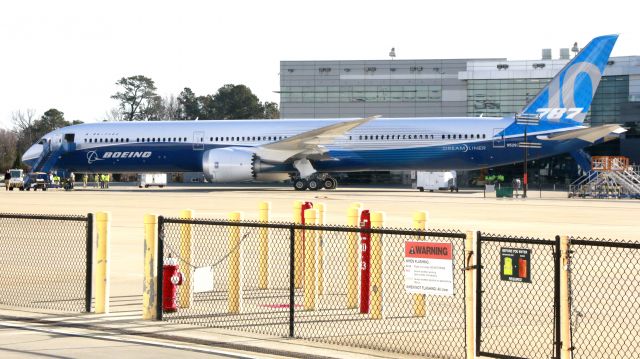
(263, 250)
(103, 221)
(353, 215)
(469, 299)
(377, 221)
(89, 263)
(419, 223)
(565, 314)
(310, 292)
(186, 247)
(292, 289)
(299, 266)
(234, 264)
(150, 281)
(320, 238)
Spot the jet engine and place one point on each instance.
(234, 164)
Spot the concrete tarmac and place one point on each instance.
(542, 217)
(553, 214)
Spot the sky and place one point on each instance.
(69, 54)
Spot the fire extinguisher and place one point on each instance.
(171, 279)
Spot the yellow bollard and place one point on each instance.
(469, 275)
(102, 282)
(298, 246)
(310, 292)
(420, 223)
(263, 247)
(149, 285)
(320, 234)
(377, 221)
(186, 294)
(353, 242)
(234, 264)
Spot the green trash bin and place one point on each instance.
(504, 192)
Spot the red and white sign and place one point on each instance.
(428, 268)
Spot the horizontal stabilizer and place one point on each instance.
(590, 134)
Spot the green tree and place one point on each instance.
(137, 98)
(189, 105)
(271, 110)
(236, 102)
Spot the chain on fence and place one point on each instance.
(310, 287)
(45, 261)
(604, 298)
(516, 305)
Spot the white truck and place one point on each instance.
(434, 181)
(152, 179)
(17, 179)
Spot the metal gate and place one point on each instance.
(517, 299)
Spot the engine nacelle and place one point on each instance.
(235, 164)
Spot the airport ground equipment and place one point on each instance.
(435, 181)
(146, 180)
(610, 177)
(17, 179)
(37, 180)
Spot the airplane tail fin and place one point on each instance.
(567, 98)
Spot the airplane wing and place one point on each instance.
(590, 134)
(308, 144)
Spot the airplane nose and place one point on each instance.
(32, 154)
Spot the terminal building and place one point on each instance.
(460, 87)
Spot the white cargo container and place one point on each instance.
(434, 181)
(152, 179)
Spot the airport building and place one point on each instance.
(460, 87)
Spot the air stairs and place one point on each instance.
(609, 177)
(48, 159)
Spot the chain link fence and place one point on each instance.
(306, 282)
(516, 312)
(604, 300)
(46, 261)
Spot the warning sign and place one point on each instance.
(515, 265)
(428, 268)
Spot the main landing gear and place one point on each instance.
(314, 182)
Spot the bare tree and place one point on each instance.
(113, 115)
(8, 148)
(24, 123)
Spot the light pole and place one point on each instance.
(527, 119)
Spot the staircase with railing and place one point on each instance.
(610, 177)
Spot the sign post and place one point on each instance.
(365, 256)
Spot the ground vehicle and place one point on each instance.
(152, 179)
(433, 181)
(16, 180)
(37, 180)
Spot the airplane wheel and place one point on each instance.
(330, 183)
(300, 185)
(313, 185)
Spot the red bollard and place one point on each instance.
(171, 279)
(305, 206)
(365, 269)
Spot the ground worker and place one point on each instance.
(85, 179)
(56, 179)
(100, 177)
(7, 177)
(107, 178)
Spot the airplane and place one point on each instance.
(309, 150)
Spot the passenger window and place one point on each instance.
(484, 135)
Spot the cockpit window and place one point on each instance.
(42, 141)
